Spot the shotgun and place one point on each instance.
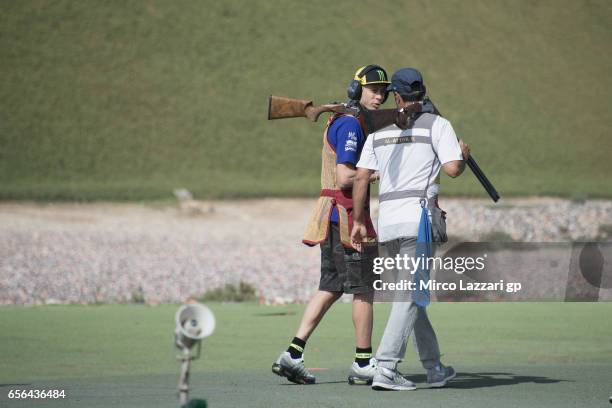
(371, 121)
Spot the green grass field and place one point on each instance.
(506, 354)
(127, 100)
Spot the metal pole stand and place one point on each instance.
(183, 385)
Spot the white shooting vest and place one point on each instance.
(409, 171)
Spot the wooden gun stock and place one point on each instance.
(280, 108)
(374, 120)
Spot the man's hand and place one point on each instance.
(374, 177)
(360, 193)
(465, 149)
(358, 233)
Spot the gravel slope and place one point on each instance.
(85, 253)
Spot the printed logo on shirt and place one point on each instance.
(350, 145)
(352, 136)
(400, 140)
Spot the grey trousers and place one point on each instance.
(406, 317)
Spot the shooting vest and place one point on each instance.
(417, 171)
(332, 196)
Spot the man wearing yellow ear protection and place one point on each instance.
(343, 269)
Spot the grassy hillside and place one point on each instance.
(129, 100)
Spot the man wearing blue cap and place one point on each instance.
(408, 159)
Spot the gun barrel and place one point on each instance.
(483, 179)
(471, 162)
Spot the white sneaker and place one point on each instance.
(293, 369)
(440, 375)
(388, 379)
(362, 375)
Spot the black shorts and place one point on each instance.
(345, 269)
